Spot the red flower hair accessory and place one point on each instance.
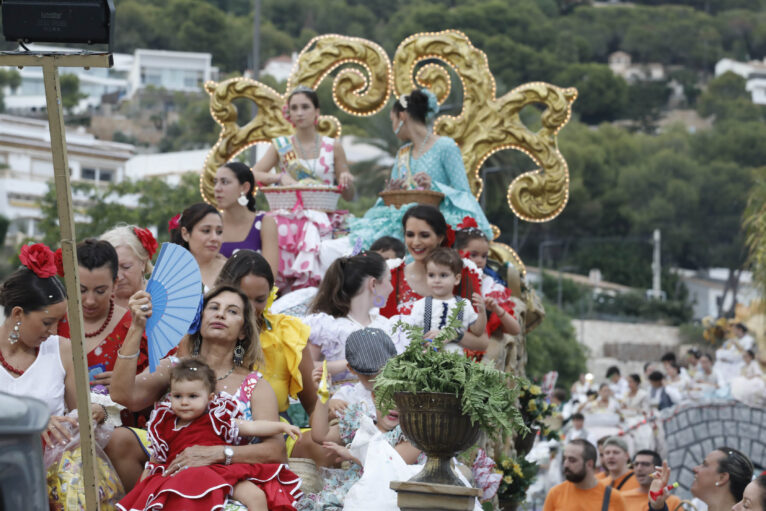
(174, 222)
(468, 223)
(449, 237)
(58, 259)
(147, 240)
(464, 254)
(39, 259)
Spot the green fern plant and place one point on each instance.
(487, 396)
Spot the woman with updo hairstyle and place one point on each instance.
(309, 159)
(720, 480)
(284, 339)
(199, 229)
(243, 226)
(754, 496)
(351, 291)
(425, 161)
(135, 248)
(34, 360)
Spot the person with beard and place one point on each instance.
(582, 491)
(644, 466)
(616, 458)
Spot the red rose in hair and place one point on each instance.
(449, 238)
(39, 259)
(58, 259)
(147, 240)
(174, 222)
(467, 223)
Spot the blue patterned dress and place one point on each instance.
(444, 163)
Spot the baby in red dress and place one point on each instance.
(196, 415)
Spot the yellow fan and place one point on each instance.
(324, 387)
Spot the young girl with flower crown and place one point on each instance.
(195, 415)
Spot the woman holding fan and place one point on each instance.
(199, 229)
(228, 342)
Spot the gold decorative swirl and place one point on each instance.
(488, 124)
(353, 91)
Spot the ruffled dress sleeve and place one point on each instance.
(328, 333)
(283, 340)
(449, 177)
(222, 411)
(158, 429)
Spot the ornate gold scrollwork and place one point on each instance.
(352, 91)
(488, 124)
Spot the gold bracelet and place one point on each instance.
(134, 355)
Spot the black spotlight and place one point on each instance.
(58, 21)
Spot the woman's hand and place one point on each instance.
(423, 180)
(195, 456)
(286, 180)
(104, 379)
(346, 180)
(140, 308)
(57, 431)
(395, 184)
(97, 413)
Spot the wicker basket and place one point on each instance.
(323, 198)
(398, 198)
(309, 473)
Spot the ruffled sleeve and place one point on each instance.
(222, 411)
(328, 333)
(283, 346)
(157, 429)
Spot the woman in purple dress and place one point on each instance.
(243, 226)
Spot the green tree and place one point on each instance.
(553, 346)
(602, 95)
(158, 202)
(70, 91)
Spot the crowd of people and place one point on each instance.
(210, 423)
(605, 467)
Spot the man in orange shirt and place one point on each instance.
(581, 491)
(615, 458)
(645, 463)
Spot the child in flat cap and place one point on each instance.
(360, 429)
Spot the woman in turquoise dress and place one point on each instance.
(427, 161)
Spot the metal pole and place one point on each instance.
(256, 66)
(656, 266)
(72, 278)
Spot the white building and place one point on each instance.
(169, 70)
(754, 72)
(167, 166)
(280, 67)
(622, 65)
(706, 290)
(26, 167)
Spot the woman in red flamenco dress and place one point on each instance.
(195, 415)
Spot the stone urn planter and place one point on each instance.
(435, 424)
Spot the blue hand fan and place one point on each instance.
(175, 287)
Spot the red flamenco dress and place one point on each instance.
(204, 488)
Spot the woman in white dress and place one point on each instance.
(351, 291)
(750, 387)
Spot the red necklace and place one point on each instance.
(106, 323)
(12, 369)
